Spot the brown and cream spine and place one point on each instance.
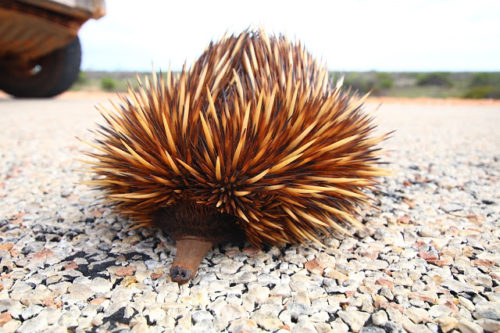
(251, 137)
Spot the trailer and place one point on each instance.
(40, 52)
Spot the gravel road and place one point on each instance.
(428, 261)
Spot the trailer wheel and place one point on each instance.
(47, 76)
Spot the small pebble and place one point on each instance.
(355, 319)
(466, 326)
(379, 318)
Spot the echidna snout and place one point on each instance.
(190, 253)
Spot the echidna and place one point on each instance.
(251, 141)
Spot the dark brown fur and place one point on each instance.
(189, 219)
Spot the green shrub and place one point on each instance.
(372, 82)
(359, 83)
(108, 84)
(434, 79)
(384, 80)
(483, 92)
(485, 79)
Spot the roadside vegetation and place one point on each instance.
(397, 84)
(426, 84)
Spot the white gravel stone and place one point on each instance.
(204, 325)
(243, 325)
(466, 326)
(229, 266)
(339, 326)
(97, 320)
(379, 318)
(304, 326)
(100, 285)
(267, 322)
(417, 315)
(11, 326)
(201, 315)
(69, 318)
(440, 310)
(51, 314)
(320, 316)
(489, 324)
(466, 303)
(323, 328)
(31, 311)
(489, 310)
(387, 293)
(15, 308)
(258, 293)
(282, 289)
(155, 313)
(372, 329)
(33, 325)
(267, 279)
(355, 319)
(80, 292)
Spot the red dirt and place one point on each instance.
(76, 95)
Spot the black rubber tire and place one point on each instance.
(56, 72)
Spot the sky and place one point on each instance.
(355, 35)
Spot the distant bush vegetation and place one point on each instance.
(384, 81)
(434, 79)
(108, 84)
(396, 84)
(483, 85)
(82, 78)
(483, 92)
(431, 84)
(485, 79)
(373, 82)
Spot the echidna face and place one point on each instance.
(252, 136)
(195, 228)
